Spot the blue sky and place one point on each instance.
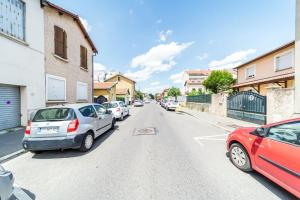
(153, 41)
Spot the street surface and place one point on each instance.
(184, 158)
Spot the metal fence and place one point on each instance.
(204, 98)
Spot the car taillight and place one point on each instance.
(73, 125)
(28, 128)
(118, 109)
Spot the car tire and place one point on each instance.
(113, 124)
(36, 152)
(87, 142)
(239, 157)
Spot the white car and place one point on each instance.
(71, 126)
(171, 105)
(138, 103)
(118, 108)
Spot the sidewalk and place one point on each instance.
(225, 123)
(11, 143)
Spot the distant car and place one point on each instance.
(163, 103)
(138, 103)
(171, 105)
(118, 108)
(272, 150)
(69, 126)
(6, 184)
(147, 101)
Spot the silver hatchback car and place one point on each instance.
(69, 126)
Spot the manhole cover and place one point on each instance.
(145, 131)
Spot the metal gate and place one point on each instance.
(10, 111)
(247, 106)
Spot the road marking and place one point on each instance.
(209, 138)
(12, 155)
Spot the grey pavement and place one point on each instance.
(11, 141)
(176, 161)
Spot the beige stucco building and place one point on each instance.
(104, 91)
(274, 69)
(193, 80)
(125, 87)
(68, 57)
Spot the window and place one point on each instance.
(83, 57)
(82, 92)
(55, 88)
(88, 111)
(250, 72)
(12, 18)
(100, 109)
(119, 78)
(289, 133)
(60, 42)
(54, 114)
(284, 60)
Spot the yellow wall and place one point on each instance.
(124, 83)
(109, 94)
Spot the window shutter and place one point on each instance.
(65, 46)
(83, 57)
(59, 41)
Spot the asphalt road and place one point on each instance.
(153, 154)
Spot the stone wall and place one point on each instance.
(219, 104)
(280, 104)
(201, 107)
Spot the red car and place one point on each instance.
(272, 150)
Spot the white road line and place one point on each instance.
(209, 138)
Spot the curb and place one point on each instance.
(11, 156)
(216, 125)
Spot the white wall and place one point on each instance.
(22, 64)
(297, 59)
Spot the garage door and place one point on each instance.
(9, 107)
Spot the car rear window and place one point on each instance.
(54, 114)
(114, 105)
(106, 105)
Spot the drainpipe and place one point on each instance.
(297, 60)
(94, 54)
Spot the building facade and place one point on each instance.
(68, 57)
(105, 91)
(123, 83)
(22, 74)
(297, 59)
(273, 69)
(193, 80)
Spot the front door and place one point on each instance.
(104, 121)
(277, 155)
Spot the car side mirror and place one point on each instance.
(260, 132)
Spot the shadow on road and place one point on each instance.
(273, 187)
(69, 153)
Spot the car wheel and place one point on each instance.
(239, 157)
(87, 142)
(113, 124)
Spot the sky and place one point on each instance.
(154, 41)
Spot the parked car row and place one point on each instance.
(71, 126)
(272, 150)
(169, 104)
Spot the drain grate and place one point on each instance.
(145, 131)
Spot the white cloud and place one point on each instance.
(159, 21)
(99, 71)
(155, 89)
(163, 35)
(155, 83)
(203, 56)
(158, 59)
(177, 78)
(86, 25)
(232, 60)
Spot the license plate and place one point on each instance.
(49, 130)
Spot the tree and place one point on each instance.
(195, 92)
(139, 94)
(219, 81)
(151, 96)
(174, 92)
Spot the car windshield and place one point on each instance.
(114, 105)
(54, 114)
